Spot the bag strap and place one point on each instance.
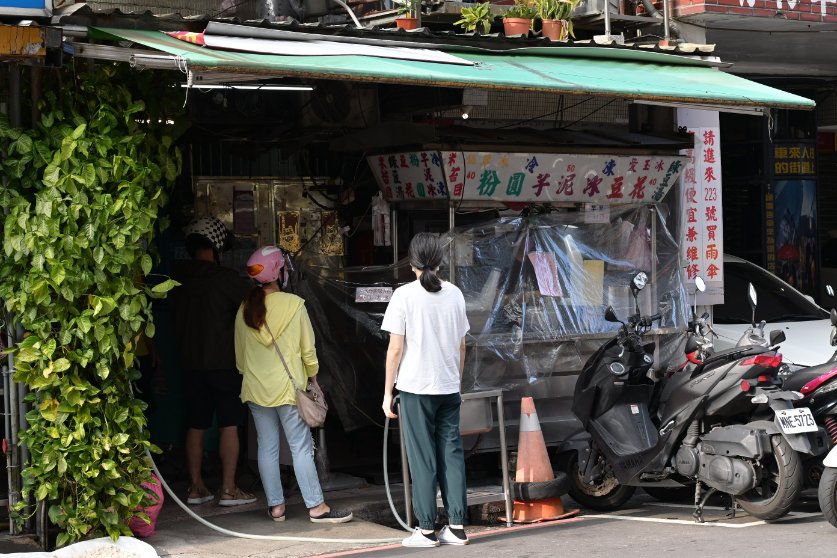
(282, 358)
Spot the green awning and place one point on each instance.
(626, 74)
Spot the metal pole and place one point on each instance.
(13, 459)
(654, 279)
(452, 247)
(666, 31)
(504, 460)
(405, 471)
(607, 18)
(394, 230)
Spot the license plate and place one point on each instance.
(794, 421)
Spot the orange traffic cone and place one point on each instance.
(537, 493)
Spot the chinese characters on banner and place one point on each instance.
(791, 215)
(409, 176)
(550, 177)
(793, 159)
(702, 228)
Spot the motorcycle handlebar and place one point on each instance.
(648, 321)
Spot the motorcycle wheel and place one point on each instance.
(827, 495)
(608, 495)
(781, 483)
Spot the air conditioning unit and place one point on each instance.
(595, 7)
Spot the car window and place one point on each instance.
(777, 301)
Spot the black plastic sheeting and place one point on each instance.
(524, 324)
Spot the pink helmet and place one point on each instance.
(265, 265)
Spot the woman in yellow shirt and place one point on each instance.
(268, 314)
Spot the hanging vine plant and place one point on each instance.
(84, 187)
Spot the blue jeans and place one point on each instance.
(298, 434)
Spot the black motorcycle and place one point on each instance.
(692, 428)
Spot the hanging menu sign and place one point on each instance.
(415, 175)
(702, 227)
(550, 177)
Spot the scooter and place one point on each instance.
(700, 433)
(818, 386)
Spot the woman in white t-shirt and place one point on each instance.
(427, 325)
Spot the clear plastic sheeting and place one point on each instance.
(536, 288)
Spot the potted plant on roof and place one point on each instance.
(407, 9)
(556, 23)
(476, 19)
(518, 19)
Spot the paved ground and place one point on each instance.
(644, 528)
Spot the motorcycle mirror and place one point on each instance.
(829, 290)
(610, 315)
(776, 337)
(751, 296)
(640, 280)
(700, 284)
(833, 317)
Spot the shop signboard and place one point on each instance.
(415, 175)
(791, 215)
(794, 159)
(26, 7)
(526, 177)
(551, 177)
(701, 214)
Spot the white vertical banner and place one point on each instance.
(701, 212)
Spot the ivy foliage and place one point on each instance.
(83, 188)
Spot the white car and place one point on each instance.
(806, 325)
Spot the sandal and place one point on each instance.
(203, 495)
(237, 497)
(275, 517)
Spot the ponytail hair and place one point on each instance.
(425, 253)
(254, 309)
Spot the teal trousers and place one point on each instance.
(434, 450)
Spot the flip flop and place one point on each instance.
(276, 518)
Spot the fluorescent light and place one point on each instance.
(265, 87)
(135, 57)
(737, 109)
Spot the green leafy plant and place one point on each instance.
(477, 16)
(557, 10)
(83, 188)
(407, 8)
(521, 9)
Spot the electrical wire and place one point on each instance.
(360, 221)
(386, 475)
(561, 108)
(240, 535)
(591, 113)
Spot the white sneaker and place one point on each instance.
(420, 540)
(446, 536)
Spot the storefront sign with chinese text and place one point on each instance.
(416, 175)
(550, 177)
(702, 227)
(794, 159)
(373, 294)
